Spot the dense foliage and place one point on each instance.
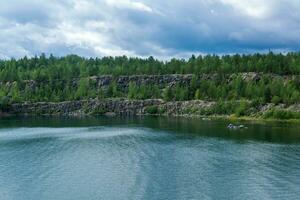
(51, 68)
(55, 77)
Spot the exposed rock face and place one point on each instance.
(161, 81)
(85, 107)
(185, 107)
(109, 107)
(122, 81)
(125, 107)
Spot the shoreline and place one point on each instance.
(185, 116)
(231, 118)
(205, 110)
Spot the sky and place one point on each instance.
(160, 28)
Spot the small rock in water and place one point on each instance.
(110, 114)
(231, 126)
(206, 119)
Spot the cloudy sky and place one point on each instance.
(162, 28)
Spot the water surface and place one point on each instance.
(146, 158)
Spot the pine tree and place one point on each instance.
(197, 94)
(167, 94)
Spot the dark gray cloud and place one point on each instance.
(147, 27)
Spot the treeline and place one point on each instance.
(72, 66)
(55, 78)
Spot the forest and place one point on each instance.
(72, 66)
(280, 82)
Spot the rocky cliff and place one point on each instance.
(85, 107)
(125, 107)
(121, 107)
(160, 80)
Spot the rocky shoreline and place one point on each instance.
(126, 107)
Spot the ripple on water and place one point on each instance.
(142, 163)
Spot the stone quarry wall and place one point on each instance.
(125, 107)
(84, 107)
(132, 107)
(160, 80)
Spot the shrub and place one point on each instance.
(281, 114)
(4, 103)
(242, 109)
(197, 94)
(99, 110)
(154, 110)
(167, 94)
(276, 100)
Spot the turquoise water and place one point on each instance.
(146, 158)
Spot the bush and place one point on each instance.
(197, 94)
(276, 100)
(281, 114)
(242, 109)
(4, 103)
(228, 107)
(256, 102)
(99, 111)
(167, 94)
(154, 110)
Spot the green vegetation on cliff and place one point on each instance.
(266, 89)
(251, 79)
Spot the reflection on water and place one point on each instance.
(146, 158)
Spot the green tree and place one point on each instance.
(112, 90)
(132, 90)
(101, 94)
(167, 94)
(82, 89)
(15, 92)
(197, 94)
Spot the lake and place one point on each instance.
(146, 158)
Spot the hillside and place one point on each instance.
(226, 84)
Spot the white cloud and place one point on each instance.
(147, 27)
(129, 4)
(252, 8)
